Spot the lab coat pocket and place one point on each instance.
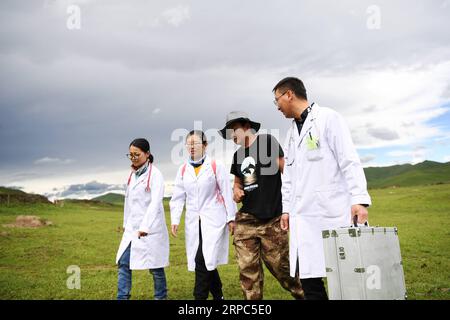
(141, 246)
(331, 200)
(314, 154)
(312, 146)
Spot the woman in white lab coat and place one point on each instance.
(145, 241)
(205, 188)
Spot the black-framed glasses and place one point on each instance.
(133, 155)
(275, 102)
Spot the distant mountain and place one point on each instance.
(113, 198)
(424, 173)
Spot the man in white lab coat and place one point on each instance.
(323, 184)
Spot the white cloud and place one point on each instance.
(419, 148)
(387, 106)
(53, 161)
(399, 153)
(415, 155)
(367, 159)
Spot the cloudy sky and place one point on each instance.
(81, 79)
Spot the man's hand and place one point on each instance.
(361, 212)
(238, 191)
(142, 234)
(238, 194)
(174, 230)
(231, 226)
(284, 221)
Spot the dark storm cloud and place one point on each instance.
(91, 188)
(383, 133)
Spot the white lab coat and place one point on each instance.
(144, 211)
(200, 196)
(319, 186)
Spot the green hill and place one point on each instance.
(4, 190)
(13, 196)
(424, 173)
(113, 198)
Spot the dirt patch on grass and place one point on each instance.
(29, 222)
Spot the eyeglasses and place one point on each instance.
(195, 144)
(275, 102)
(133, 155)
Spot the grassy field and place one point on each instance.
(33, 262)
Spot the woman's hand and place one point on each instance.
(174, 230)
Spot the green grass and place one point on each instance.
(33, 262)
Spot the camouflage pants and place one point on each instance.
(259, 241)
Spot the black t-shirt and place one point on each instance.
(258, 169)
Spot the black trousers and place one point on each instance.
(314, 289)
(205, 281)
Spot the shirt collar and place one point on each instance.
(304, 114)
(141, 170)
(197, 163)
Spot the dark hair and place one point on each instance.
(142, 144)
(199, 134)
(294, 84)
